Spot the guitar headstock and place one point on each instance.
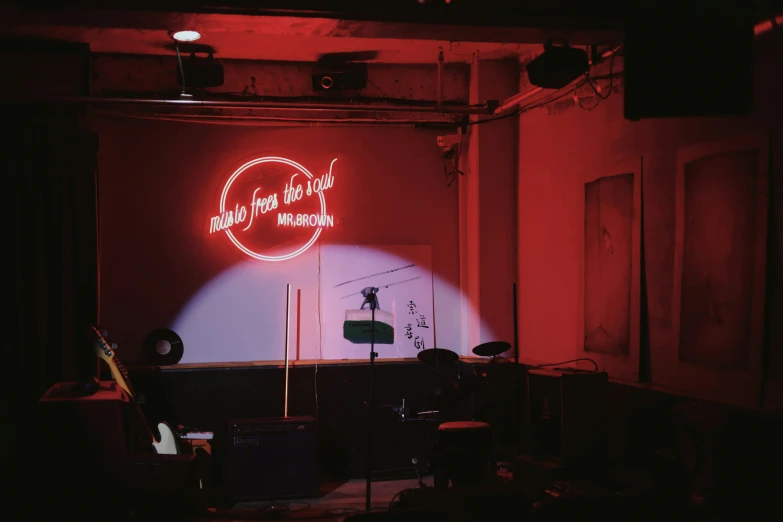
(103, 348)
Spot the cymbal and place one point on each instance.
(438, 357)
(491, 349)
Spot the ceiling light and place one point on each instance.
(186, 36)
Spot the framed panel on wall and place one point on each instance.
(721, 194)
(610, 287)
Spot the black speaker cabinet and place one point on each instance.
(271, 459)
(567, 416)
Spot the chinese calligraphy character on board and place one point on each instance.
(421, 322)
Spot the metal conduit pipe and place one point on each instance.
(268, 104)
(515, 100)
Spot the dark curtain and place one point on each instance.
(50, 282)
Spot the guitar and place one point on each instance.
(105, 350)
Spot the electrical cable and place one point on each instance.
(578, 100)
(452, 172)
(595, 364)
(597, 90)
(391, 504)
(378, 88)
(611, 81)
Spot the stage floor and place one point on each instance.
(335, 505)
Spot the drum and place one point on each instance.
(463, 453)
(465, 429)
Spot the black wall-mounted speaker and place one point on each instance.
(271, 459)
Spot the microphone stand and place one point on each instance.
(371, 298)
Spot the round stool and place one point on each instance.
(462, 453)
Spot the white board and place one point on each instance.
(403, 275)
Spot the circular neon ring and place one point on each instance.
(235, 175)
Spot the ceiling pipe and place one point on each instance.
(291, 105)
(273, 121)
(515, 100)
(518, 98)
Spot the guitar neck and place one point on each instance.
(120, 375)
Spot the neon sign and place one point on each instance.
(252, 194)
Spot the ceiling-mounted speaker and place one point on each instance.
(163, 347)
(558, 65)
(201, 72)
(343, 78)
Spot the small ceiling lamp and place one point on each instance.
(186, 36)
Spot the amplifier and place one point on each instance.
(271, 459)
(568, 416)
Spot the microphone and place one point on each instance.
(415, 461)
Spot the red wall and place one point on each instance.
(497, 150)
(558, 148)
(159, 182)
